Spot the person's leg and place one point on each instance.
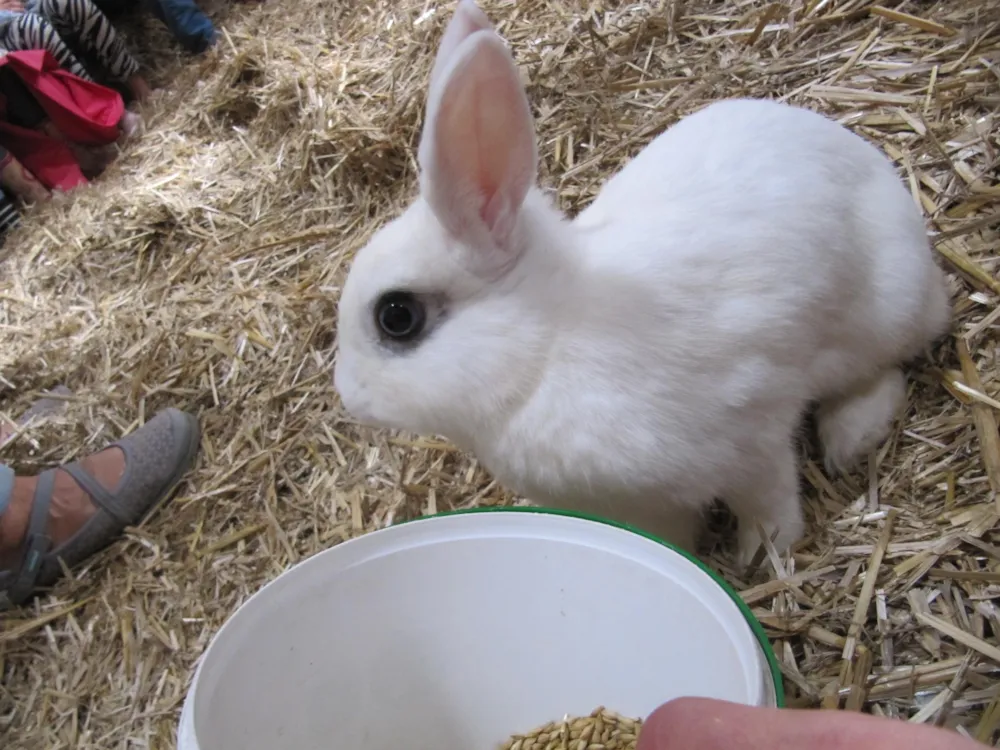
(186, 21)
(31, 31)
(82, 22)
(66, 514)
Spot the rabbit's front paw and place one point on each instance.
(784, 536)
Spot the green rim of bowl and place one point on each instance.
(753, 622)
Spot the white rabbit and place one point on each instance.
(659, 350)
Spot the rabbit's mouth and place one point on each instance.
(356, 399)
(352, 397)
(361, 413)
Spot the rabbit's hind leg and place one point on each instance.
(855, 423)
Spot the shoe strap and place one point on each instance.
(6, 487)
(37, 542)
(101, 497)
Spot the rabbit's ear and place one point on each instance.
(477, 154)
(467, 20)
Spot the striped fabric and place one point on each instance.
(26, 31)
(49, 24)
(9, 218)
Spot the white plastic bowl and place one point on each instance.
(454, 632)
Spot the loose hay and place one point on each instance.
(601, 730)
(203, 272)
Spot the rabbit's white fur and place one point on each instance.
(659, 350)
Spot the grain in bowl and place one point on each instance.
(601, 730)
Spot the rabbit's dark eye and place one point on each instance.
(400, 316)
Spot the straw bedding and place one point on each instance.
(203, 272)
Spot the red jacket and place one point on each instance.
(86, 113)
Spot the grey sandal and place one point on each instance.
(157, 456)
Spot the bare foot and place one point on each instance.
(71, 507)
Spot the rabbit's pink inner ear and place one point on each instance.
(480, 156)
(466, 21)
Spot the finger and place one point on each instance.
(703, 724)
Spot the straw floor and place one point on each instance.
(203, 272)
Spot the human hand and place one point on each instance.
(19, 180)
(703, 724)
(14, 6)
